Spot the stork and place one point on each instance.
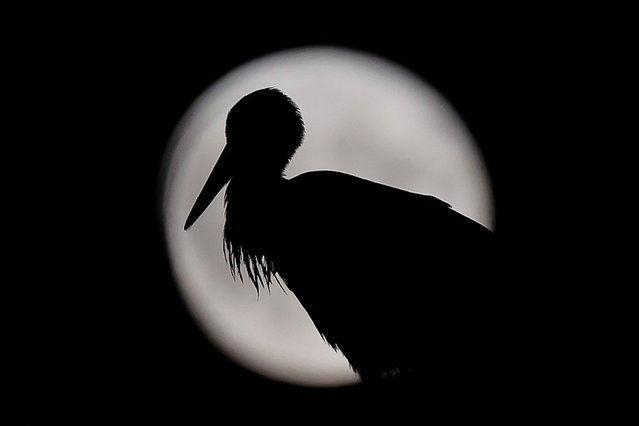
(399, 282)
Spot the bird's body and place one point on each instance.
(396, 280)
(386, 275)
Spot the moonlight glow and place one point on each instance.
(364, 116)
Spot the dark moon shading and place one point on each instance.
(363, 116)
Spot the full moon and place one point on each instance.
(363, 116)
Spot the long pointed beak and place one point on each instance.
(221, 174)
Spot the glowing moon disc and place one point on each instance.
(363, 116)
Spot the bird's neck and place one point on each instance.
(250, 199)
(253, 219)
(254, 185)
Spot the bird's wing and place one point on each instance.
(374, 262)
(351, 215)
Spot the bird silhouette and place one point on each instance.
(398, 281)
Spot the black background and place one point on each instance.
(98, 332)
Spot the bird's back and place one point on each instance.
(398, 281)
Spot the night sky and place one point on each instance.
(98, 333)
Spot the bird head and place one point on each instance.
(263, 131)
